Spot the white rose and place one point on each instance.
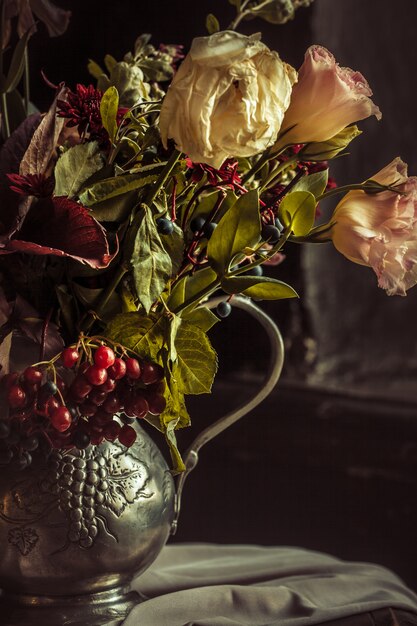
(227, 99)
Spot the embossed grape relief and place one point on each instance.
(83, 485)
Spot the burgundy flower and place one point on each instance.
(37, 185)
(82, 110)
(226, 176)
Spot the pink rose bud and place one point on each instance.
(326, 99)
(380, 230)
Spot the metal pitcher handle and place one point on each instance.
(274, 371)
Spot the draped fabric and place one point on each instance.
(221, 585)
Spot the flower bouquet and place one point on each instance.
(135, 198)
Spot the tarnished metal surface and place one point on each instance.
(80, 523)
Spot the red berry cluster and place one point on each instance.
(106, 393)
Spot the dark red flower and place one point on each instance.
(82, 109)
(37, 185)
(226, 176)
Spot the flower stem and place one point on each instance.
(163, 177)
(26, 82)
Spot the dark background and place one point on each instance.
(329, 461)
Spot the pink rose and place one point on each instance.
(326, 99)
(380, 230)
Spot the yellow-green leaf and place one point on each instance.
(76, 166)
(151, 263)
(259, 287)
(238, 229)
(297, 211)
(145, 335)
(109, 106)
(196, 365)
(212, 24)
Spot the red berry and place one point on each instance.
(109, 385)
(111, 430)
(61, 419)
(101, 418)
(32, 375)
(16, 397)
(9, 379)
(88, 409)
(69, 357)
(136, 406)
(117, 370)
(133, 369)
(127, 435)
(104, 357)
(96, 438)
(113, 404)
(97, 396)
(151, 373)
(96, 375)
(156, 403)
(61, 384)
(80, 388)
(51, 405)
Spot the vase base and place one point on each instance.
(106, 608)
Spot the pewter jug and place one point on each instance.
(77, 526)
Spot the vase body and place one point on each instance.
(75, 528)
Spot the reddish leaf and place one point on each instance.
(62, 227)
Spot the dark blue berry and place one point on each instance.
(270, 233)
(255, 271)
(49, 388)
(209, 229)
(278, 225)
(81, 440)
(164, 226)
(197, 223)
(223, 309)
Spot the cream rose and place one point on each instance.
(227, 99)
(380, 230)
(326, 99)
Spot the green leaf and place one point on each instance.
(238, 229)
(109, 62)
(202, 317)
(326, 150)
(145, 335)
(297, 211)
(152, 266)
(118, 185)
(17, 64)
(212, 24)
(315, 183)
(174, 245)
(175, 416)
(76, 166)
(88, 298)
(115, 209)
(94, 69)
(188, 288)
(109, 106)
(259, 287)
(196, 365)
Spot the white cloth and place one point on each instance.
(220, 585)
